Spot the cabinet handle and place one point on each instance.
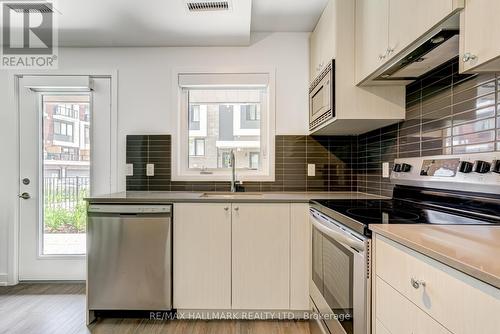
(390, 50)
(226, 208)
(468, 56)
(236, 208)
(416, 284)
(381, 57)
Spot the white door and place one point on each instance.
(62, 118)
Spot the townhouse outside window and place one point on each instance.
(220, 113)
(63, 131)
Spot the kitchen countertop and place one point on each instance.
(474, 250)
(171, 197)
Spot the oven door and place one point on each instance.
(340, 283)
(320, 100)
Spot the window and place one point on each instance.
(254, 160)
(63, 131)
(251, 112)
(194, 117)
(220, 113)
(196, 147)
(87, 135)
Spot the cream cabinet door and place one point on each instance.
(314, 55)
(400, 316)
(411, 19)
(480, 32)
(372, 34)
(322, 42)
(202, 255)
(261, 256)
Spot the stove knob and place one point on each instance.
(481, 166)
(397, 168)
(405, 168)
(495, 166)
(465, 167)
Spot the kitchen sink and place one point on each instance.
(230, 195)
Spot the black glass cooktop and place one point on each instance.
(414, 205)
(393, 211)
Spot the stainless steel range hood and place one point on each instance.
(435, 49)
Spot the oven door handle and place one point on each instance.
(337, 236)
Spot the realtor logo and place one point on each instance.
(29, 37)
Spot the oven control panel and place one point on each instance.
(473, 172)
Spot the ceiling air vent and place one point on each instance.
(31, 7)
(205, 6)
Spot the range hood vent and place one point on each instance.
(437, 50)
(205, 6)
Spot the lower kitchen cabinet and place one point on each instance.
(241, 256)
(261, 256)
(416, 294)
(202, 256)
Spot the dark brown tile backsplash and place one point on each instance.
(446, 113)
(334, 158)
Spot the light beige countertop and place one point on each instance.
(474, 250)
(172, 197)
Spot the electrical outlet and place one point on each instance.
(311, 170)
(150, 170)
(385, 169)
(129, 170)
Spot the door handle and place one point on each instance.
(24, 196)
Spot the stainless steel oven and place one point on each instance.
(322, 97)
(340, 283)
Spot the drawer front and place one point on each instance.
(461, 303)
(397, 315)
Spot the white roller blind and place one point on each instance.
(192, 80)
(58, 83)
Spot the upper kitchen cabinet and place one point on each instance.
(480, 36)
(337, 105)
(387, 30)
(321, 53)
(372, 36)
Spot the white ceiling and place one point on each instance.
(286, 15)
(98, 23)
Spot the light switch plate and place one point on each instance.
(150, 170)
(385, 169)
(311, 170)
(129, 170)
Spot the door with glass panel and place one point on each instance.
(56, 152)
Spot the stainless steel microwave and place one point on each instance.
(322, 97)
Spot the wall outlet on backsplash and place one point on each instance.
(129, 169)
(385, 169)
(150, 170)
(311, 170)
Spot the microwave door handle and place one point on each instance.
(339, 237)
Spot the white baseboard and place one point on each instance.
(4, 279)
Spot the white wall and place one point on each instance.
(144, 90)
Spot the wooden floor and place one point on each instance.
(41, 308)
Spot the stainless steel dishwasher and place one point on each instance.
(129, 257)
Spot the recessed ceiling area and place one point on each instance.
(98, 23)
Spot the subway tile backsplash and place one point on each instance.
(334, 158)
(446, 113)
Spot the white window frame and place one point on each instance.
(180, 144)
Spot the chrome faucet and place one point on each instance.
(233, 171)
